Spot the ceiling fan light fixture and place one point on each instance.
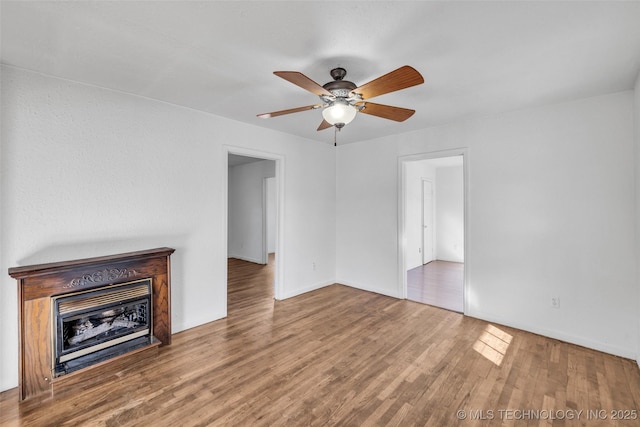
(339, 112)
(341, 99)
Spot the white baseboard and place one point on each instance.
(244, 258)
(300, 291)
(368, 288)
(559, 335)
(177, 326)
(458, 260)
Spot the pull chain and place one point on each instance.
(337, 127)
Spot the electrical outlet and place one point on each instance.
(313, 265)
(555, 302)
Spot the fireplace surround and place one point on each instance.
(80, 316)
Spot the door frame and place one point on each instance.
(402, 198)
(264, 256)
(266, 217)
(279, 285)
(433, 201)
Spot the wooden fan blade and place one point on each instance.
(387, 111)
(289, 111)
(324, 125)
(303, 81)
(401, 78)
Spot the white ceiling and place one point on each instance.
(478, 58)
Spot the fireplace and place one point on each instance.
(94, 326)
(84, 318)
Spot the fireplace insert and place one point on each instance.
(96, 325)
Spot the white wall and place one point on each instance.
(87, 171)
(551, 206)
(637, 213)
(246, 192)
(415, 172)
(367, 215)
(450, 214)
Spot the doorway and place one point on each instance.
(432, 230)
(254, 198)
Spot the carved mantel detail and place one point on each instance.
(106, 275)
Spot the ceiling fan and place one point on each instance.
(341, 99)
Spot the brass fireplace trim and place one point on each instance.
(131, 293)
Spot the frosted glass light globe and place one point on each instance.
(339, 112)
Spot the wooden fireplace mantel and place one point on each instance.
(38, 283)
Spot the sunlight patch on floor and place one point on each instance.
(493, 344)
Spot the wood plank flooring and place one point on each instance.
(344, 357)
(438, 283)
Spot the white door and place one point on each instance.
(427, 221)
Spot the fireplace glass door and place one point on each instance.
(96, 325)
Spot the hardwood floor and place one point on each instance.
(438, 283)
(344, 357)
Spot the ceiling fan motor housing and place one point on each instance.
(338, 87)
